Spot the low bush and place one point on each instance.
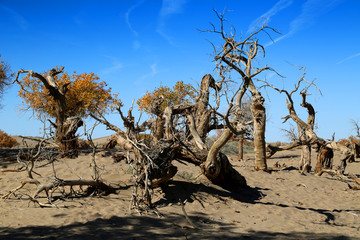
(232, 147)
(7, 141)
(83, 143)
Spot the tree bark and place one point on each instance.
(159, 128)
(356, 150)
(259, 114)
(241, 148)
(66, 137)
(305, 159)
(202, 112)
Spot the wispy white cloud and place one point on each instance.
(349, 58)
(136, 44)
(311, 9)
(115, 66)
(266, 17)
(168, 8)
(153, 72)
(20, 20)
(127, 16)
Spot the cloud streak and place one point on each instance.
(20, 20)
(168, 8)
(115, 66)
(310, 10)
(349, 58)
(152, 73)
(127, 16)
(266, 17)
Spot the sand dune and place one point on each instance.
(281, 205)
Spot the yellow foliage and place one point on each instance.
(85, 95)
(180, 93)
(6, 140)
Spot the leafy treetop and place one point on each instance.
(85, 95)
(180, 93)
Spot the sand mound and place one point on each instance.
(281, 205)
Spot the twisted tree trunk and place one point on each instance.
(259, 114)
(66, 136)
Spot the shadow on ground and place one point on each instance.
(174, 191)
(143, 227)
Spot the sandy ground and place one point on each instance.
(281, 205)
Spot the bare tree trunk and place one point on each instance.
(241, 149)
(217, 167)
(324, 159)
(305, 159)
(66, 137)
(202, 112)
(212, 166)
(356, 150)
(259, 114)
(159, 128)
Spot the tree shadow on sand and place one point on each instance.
(144, 227)
(181, 190)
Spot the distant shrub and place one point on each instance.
(83, 144)
(248, 143)
(353, 139)
(349, 141)
(147, 138)
(232, 147)
(277, 144)
(344, 142)
(6, 140)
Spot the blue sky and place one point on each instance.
(137, 45)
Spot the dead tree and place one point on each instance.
(306, 135)
(65, 126)
(241, 56)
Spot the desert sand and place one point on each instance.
(282, 205)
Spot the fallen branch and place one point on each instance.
(353, 187)
(330, 171)
(96, 184)
(355, 179)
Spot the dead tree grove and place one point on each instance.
(185, 129)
